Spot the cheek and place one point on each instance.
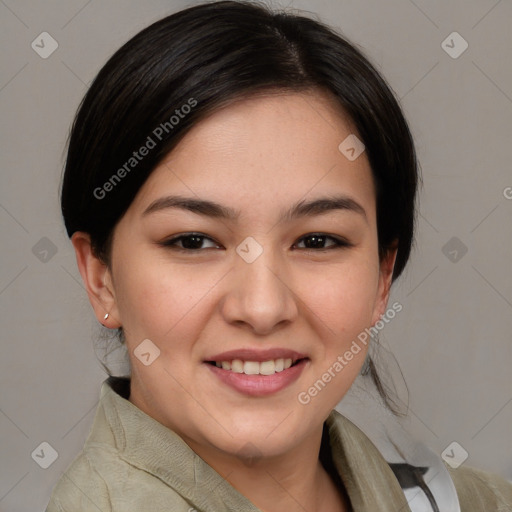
(163, 301)
(158, 300)
(342, 304)
(344, 297)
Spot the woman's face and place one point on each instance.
(264, 279)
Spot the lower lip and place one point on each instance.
(259, 385)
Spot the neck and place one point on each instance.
(295, 482)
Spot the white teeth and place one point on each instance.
(251, 368)
(267, 368)
(254, 367)
(237, 366)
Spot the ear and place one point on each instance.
(97, 280)
(387, 265)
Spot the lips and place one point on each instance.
(252, 362)
(257, 372)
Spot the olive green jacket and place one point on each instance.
(132, 463)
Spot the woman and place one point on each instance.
(240, 193)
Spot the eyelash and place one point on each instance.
(171, 243)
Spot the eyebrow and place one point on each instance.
(300, 209)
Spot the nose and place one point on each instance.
(260, 297)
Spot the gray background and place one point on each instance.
(453, 337)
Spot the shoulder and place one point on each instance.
(81, 487)
(100, 479)
(479, 490)
(126, 463)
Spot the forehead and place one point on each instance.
(260, 152)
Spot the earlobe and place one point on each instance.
(97, 281)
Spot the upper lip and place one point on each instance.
(247, 354)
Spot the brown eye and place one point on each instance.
(317, 241)
(189, 242)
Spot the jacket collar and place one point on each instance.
(147, 444)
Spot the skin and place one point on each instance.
(259, 155)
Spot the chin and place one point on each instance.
(252, 437)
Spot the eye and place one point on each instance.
(194, 242)
(189, 242)
(316, 241)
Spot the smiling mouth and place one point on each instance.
(270, 367)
